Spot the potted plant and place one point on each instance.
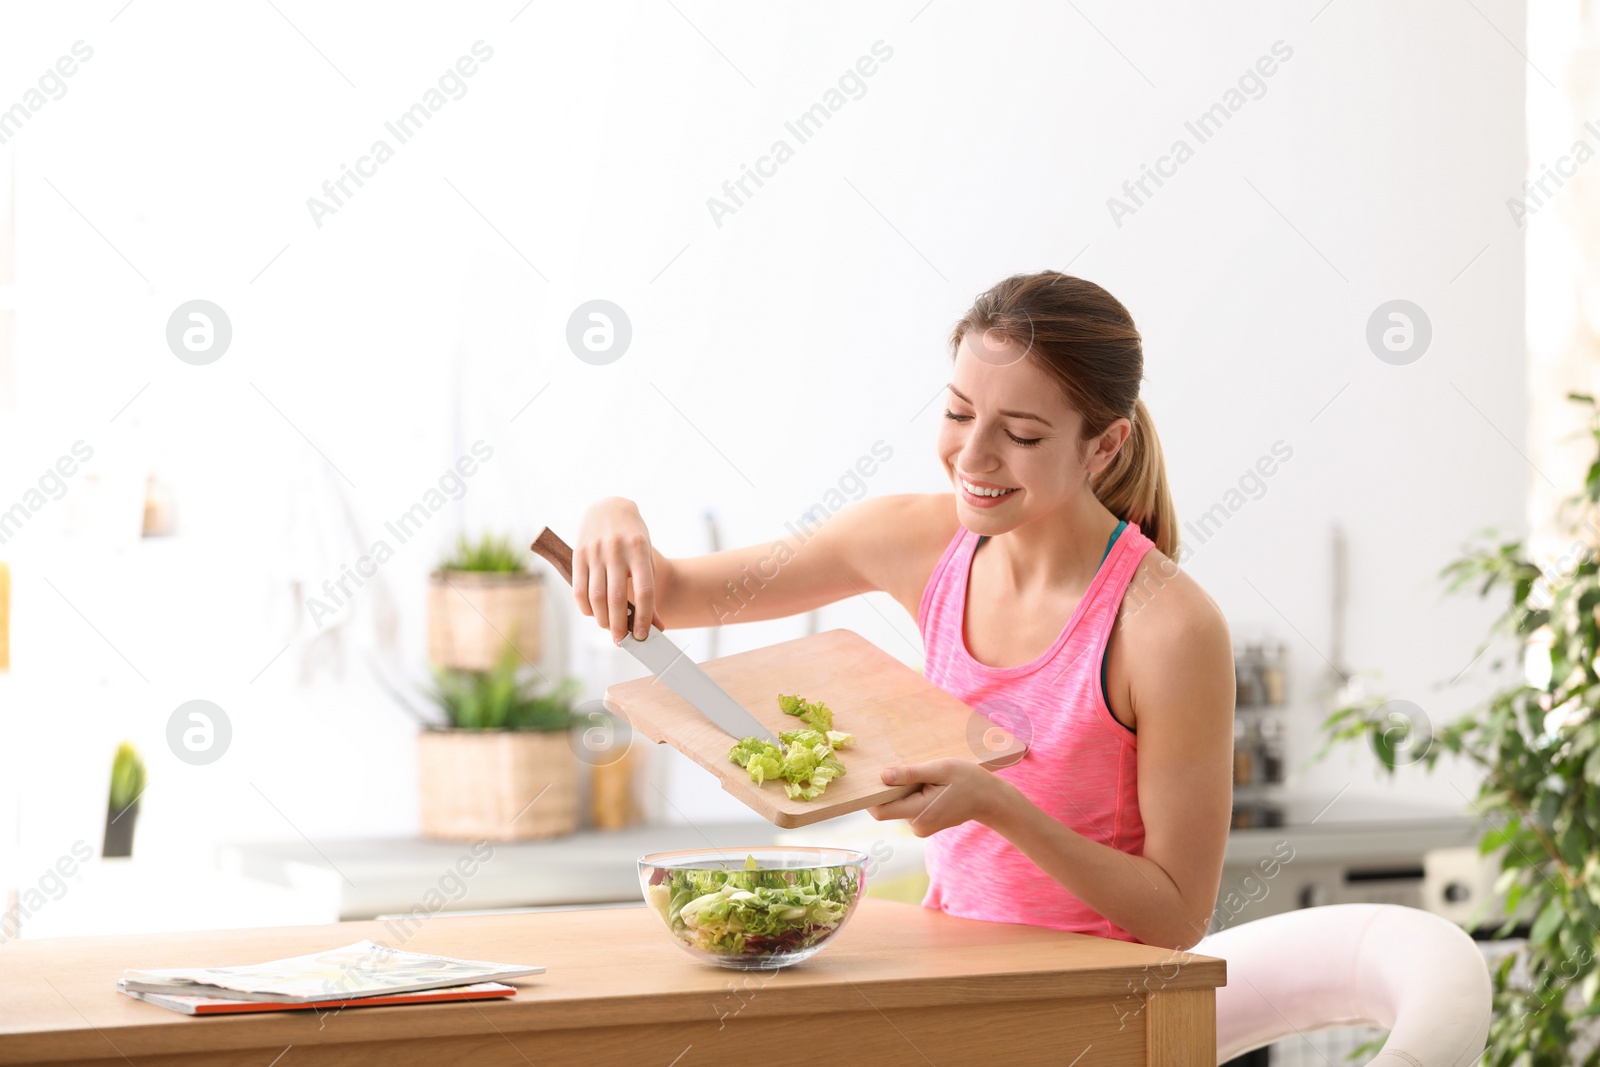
(481, 599)
(1538, 742)
(496, 764)
(127, 785)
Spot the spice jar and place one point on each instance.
(1274, 673)
(1255, 663)
(1272, 751)
(1245, 681)
(1244, 763)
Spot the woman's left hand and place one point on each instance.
(952, 792)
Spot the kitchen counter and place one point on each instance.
(1353, 848)
(1356, 830)
(386, 876)
(900, 984)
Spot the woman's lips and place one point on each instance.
(985, 501)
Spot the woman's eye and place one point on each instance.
(1026, 442)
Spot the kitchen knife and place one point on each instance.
(667, 661)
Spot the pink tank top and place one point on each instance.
(1080, 765)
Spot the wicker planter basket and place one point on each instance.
(480, 785)
(471, 614)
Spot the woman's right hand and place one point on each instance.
(612, 563)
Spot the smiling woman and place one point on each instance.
(1115, 821)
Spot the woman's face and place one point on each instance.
(1007, 425)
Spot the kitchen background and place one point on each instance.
(774, 336)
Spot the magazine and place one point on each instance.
(189, 1005)
(359, 970)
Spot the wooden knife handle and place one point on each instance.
(559, 554)
(557, 551)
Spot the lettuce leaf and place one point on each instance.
(816, 715)
(805, 760)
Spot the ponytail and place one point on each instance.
(1134, 485)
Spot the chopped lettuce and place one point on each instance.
(762, 759)
(805, 761)
(732, 912)
(817, 715)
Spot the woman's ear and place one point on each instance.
(1108, 444)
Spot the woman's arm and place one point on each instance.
(873, 544)
(1183, 695)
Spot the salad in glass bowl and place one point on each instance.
(754, 908)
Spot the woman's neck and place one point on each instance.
(1060, 550)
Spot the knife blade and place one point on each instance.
(683, 676)
(668, 662)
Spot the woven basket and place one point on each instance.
(482, 785)
(471, 614)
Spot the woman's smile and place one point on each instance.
(984, 494)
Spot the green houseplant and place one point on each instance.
(1537, 741)
(483, 598)
(500, 699)
(489, 554)
(494, 758)
(122, 810)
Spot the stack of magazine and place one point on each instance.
(358, 975)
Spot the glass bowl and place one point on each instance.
(754, 908)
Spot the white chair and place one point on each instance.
(1408, 971)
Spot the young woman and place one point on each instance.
(1115, 821)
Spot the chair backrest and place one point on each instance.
(1408, 971)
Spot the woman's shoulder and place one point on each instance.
(930, 523)
(907, 520)
(1165, 612)
(899, 539)
(935, 511)
(1179, 658)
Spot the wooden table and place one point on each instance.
(900, 984)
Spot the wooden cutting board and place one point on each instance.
(897, 715)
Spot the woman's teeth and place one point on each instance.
(979, 491)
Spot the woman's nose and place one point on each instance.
(976, 456)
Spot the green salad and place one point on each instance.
(805, 760)
(752, 911)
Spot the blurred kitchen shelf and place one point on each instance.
(155, 894)
(384, 876)
(1355, 849)
(1353, 828)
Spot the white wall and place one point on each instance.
(810, 324)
